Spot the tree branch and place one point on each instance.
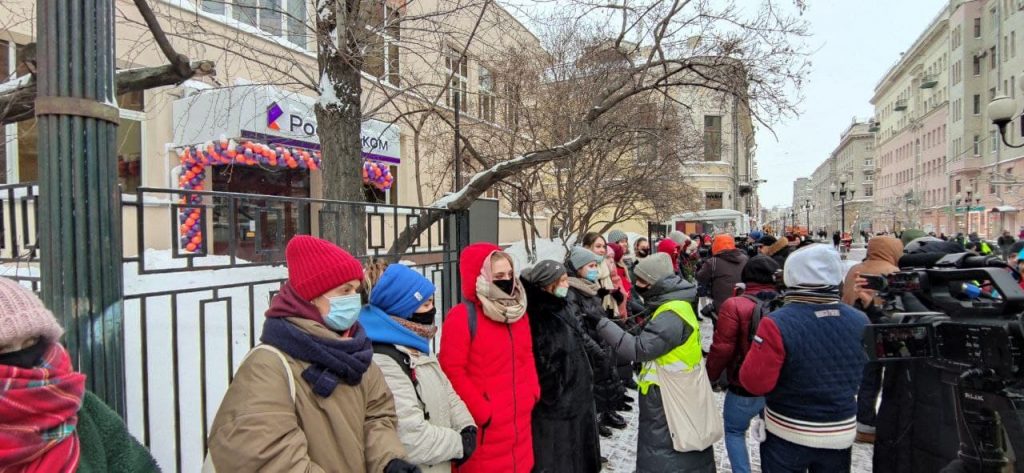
(19, 104)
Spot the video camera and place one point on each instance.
(964, 317)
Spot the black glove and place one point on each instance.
(468, 444)
(602, 292)
(618, 296)
(401, 466)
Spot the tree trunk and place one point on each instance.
(339, 122)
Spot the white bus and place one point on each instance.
(712, 222)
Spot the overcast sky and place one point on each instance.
(856, 42)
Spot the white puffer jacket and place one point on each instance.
(433, 443)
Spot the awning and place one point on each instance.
(1004, 208)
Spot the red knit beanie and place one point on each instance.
(316, 266)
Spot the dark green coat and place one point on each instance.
(105, 442)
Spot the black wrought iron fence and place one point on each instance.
(192, 313)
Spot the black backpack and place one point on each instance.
(762, 307)
(403, 361)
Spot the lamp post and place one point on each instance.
(1001, 110)
(807, 208)
(970, 199)
(842, 193)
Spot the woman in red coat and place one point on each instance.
(492, 367)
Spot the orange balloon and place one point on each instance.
(190, 247)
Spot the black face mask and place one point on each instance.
(424, 318)
(642, 290)
(643, 253)
(505, 285)
(26, 357)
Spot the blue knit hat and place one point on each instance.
(400, 291)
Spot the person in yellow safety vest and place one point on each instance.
(670, 337)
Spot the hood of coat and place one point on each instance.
(671, 288)
(885, 249)
(733, 256)
(471, 263)
(778, 246)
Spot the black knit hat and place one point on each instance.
(767, 240)
(760, 269)
(545, 273)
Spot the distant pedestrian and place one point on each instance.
(1005, 241)
(836, 239)
(722, 271)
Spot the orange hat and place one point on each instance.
(722, 243)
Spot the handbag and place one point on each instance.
(208, 462)
(694, 421)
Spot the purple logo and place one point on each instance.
(273, 113)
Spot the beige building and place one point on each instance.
(801, 199)
(854, 159)
(822, 215)
(253, 45)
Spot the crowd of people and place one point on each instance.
(533, 366)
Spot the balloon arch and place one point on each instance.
(224, 152)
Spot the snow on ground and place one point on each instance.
(620, 448)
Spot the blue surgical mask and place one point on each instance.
(593, 275)
(561, 292)
(344, 312)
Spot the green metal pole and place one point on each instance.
(79, 202)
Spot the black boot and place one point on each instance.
(624, 406)
(604, 430)
(613, 420)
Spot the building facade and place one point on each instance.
(801, 199)
(853, 159)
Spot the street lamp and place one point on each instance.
(807, 208)
(1001, 111)
(843, 194)
(967, 210)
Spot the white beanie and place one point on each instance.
(814, 265)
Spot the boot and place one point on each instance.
(624, 407)
(613, 420)
(604, 431)
(630, 384)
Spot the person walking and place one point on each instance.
(1005, 241)
(669, 341)
(310, 398)
(807, 360)
(728, 349)
(565, 437)
(51, 423)
(585, 297)
(883, 256)
(433, 423)
(723, 270)
(836, 239)
(487, 353)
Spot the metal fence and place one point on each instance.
(191, 316)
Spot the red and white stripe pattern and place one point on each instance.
(835, 435)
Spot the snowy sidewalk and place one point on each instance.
(620, 448)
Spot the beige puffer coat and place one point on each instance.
(432, 443)
(259, 427)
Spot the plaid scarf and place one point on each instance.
(38, 413)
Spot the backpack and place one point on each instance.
(762, 307)
(402, 359)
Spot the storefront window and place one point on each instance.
(260, 228)
(374, 195)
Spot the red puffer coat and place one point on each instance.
(494, 374)
(732, 335)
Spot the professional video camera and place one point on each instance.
(962, 313)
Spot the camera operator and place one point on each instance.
(916, 430)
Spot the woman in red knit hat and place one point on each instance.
(308, 398)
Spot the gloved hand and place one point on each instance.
(602, 292)
(468, 444)
(618, 296)
(401, 466)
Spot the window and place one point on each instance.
(285, 19)
(977, 145)
(991, 94)
(712, 200)
(486, 95)
(376, 196)
(457, 67)
(869, 190)
(976, 65)
(992, 58)
(977, 27)
(977, 104)
(1013, 44)
(511, 102)
(384, 25)
(1013, 87)
(713, 138)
